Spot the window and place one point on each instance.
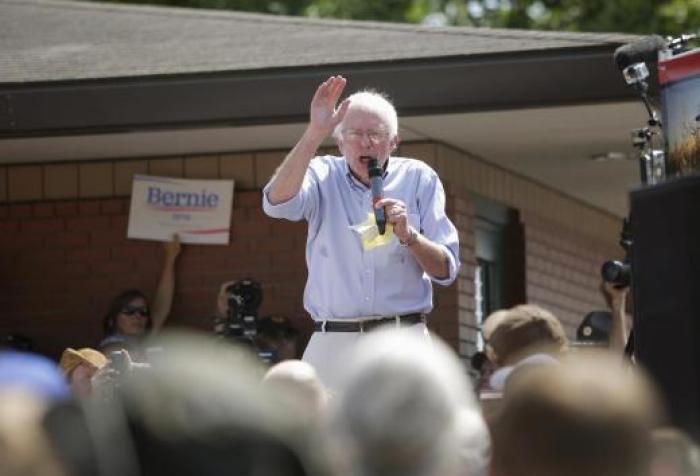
(499, 278)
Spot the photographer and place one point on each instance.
(236, 317)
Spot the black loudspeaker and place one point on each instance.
(665, 226)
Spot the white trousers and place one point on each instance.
(330, 354)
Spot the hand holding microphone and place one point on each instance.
(395, 208)
(377, 185)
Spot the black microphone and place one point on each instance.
(640, 51)
(377, 185)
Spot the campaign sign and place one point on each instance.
(199, 211)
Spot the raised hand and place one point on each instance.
(172, 248)
(324, 115)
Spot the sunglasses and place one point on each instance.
(132, 311)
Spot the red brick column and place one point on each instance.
(453, 316)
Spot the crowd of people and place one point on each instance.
(375, 394)
(405, 405)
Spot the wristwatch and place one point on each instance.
(412, 237)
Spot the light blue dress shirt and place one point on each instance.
(344, 280)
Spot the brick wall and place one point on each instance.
(563, 270)
(62, 261)
(454, 304)
(565, 240)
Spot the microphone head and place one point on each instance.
(641, 51)
(373, 169)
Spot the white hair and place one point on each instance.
(408, 409)
(299, 383)
(377, 103)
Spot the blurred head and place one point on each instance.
(514, 333)
(407, 408)
(25, 448)
(297, 383)
(590, 416)
(369, 129)
(79, 366)
(276, 333)
(32, 373)
(199, 409)
(674, 454)
(128, 314)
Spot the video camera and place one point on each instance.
(244, 299)
(240, 324)
(669, 147)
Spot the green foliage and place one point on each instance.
(665, 17)
(386, 10)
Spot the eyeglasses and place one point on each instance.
(374, 137)
(132, 311)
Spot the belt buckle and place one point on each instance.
(323, 326)
(397, 319)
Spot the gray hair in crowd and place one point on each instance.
(407, 408)
(298, 385)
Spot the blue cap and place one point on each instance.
(33, 373)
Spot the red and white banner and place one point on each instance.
(199, 211)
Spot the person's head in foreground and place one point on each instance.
(590, 416)
(407, 408)
(513, 334)
(198, 409)
(297, 383)
(674, 453)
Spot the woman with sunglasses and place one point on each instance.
(130, 318)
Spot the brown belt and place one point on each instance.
(369, 324)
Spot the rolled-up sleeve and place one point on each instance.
(437, 227)
(296, 208)
(292, 209)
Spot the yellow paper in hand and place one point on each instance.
(369, 233)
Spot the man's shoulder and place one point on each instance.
(410, 165)
(327, 161)
(323, 165)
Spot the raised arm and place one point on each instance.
(163, 300)
(324, 116)
(619, 330)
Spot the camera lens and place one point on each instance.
(616, 272)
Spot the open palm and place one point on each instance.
(324, 114)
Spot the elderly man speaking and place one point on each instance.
(359, 277)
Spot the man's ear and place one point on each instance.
(339, 144)
(395, 142)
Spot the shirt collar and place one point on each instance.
(354, 182)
